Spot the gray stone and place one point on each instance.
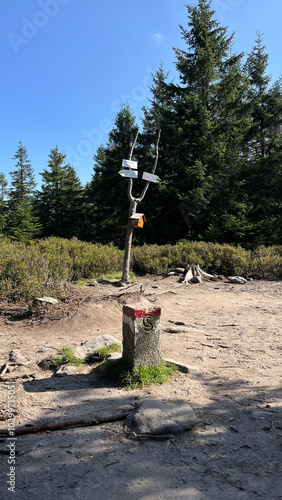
(115, 355)
(179, 323)
(17, 357)
(237, 280)
(88, 347)
(183, 329)
(159, 418)
(182, 366)
(46, 363)
(66, 370)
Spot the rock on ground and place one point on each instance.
(160, 418)
(92, 345)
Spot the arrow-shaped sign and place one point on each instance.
(150, 177)
(129, 164)
(129, 173)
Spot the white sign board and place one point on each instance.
(129, 164)
(129, 173)
(150, 177)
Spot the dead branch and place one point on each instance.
(153, 169)
(130, 181)
(161, 293)
(20, 431)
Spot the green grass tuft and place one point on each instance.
(104, 352)
(66, 357)
(139, 377)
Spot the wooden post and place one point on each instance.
(132, 210)
(128, 243)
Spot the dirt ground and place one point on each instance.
(232, 345)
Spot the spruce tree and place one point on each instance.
(22, 223)
(256, 66)
(263, 149)
(107, 191)
(200, 146)
(23, 181)
(3, 202)
(58, 204)
(164, 223)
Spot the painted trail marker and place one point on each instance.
(141, 334)
(129, 173)
(150, 177)
(129, 164)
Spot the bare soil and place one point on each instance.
(232, 345)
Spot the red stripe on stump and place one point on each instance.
(136, 311)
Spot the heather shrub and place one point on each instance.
(85, 260)
(25, 273)
(213, 258)
(267, 262)
(47, 267)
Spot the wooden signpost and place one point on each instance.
(149, 177)
(130, 164)
(129, 173)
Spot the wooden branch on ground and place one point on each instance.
(20, 431)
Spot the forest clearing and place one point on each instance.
(231, 343)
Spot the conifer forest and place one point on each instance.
(220, 157)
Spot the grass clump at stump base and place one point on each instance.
(104, 352)
(66, 358)
(138, 378)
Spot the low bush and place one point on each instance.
(47, 267)
(267, 262)
(213, 258)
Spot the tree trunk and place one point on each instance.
(128, 242)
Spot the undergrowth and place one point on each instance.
(48, 267)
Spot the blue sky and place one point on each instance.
(69, 65)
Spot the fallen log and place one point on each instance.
(20, 431)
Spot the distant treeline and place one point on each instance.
(220, 157)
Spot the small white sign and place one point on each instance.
(129, 164)
(129, 173)
(150, 177)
